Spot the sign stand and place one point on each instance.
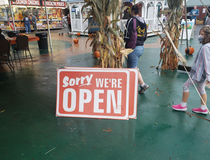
(97, 93)
(190, 29)
(182, 26)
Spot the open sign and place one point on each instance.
(96, 93)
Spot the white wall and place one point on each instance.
(4, 2)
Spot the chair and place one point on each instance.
(5, 55)
(22, 44)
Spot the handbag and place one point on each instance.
(131, 43)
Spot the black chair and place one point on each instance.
(22, 45)
(5, 55)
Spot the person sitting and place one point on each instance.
(1, 35)
(194, 13)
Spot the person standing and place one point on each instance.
(27, 24)
(207, 20)
(33, 20)
(200, 73)
(141, 29)
(194, 13)
(69, 22)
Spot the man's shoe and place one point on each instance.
(178, 107)
(199, 110)
(143, 89)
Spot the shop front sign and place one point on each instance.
(37, 3)
(96, 93)
(20, 2)
(33, 2)
(54, 4)
(61, 4)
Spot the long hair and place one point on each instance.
(206, 30)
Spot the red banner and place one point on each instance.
(33, 2)
(20, 2)
(61, 4)
(37, 3)
(54, 4)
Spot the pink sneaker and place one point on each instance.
(199, 110)
(178, 107)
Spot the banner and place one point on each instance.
(37, 3)
(190, 29)
(54, 4)
(33, 3)
(97, 93)
(20, 2)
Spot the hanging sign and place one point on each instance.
(95, 93)
(61, 4)
(54, 4)
(33, 2)
(20, 2)
(37, 3)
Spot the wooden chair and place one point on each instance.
(5, 55)
(22, 45)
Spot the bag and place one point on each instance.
(131, 43)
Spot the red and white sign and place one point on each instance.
(37, 3)
(133, 93)
(54, 4)
(20, 2)
(61, 4)
(97, 93)
(33, 2)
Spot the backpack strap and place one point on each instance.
(134, 24)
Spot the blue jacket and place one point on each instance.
(195, 12)
(26, 20)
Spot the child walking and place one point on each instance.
(200, 73)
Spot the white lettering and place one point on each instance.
(65, 83)
(82, 100)
(77, 81)
(72, 82)
(99, 82)
(33, 2)
(106, 82)
(82, 80)
(114, 83)
(97, 101)
(73, 100)
(119, 83)
(111, 96)
(89, 79)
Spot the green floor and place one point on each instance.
(30, 130)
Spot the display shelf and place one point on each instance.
(17, 20)
(49, 20)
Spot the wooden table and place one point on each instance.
(30, 38)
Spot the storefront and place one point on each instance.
(148, 8)
(77, 16)
(21, 8)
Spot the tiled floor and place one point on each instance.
(31, 131)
